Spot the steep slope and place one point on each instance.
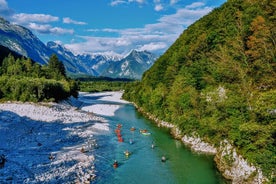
(4, 52)
(73, 64)
(23, 41)
(218, 80)
(132, 66)
(97, 62)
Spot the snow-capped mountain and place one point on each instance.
(97, 62)
(21, 40)
(73, 62)
(132, 66)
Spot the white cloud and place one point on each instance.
(172, 2)
(195, 5)
(158, 7)
(4, 9)
(23, 18)
(186, 16)
(117, 2)
(155, 37)
(48, 29)
(3, 4)
(137, 1)
(67, 20)
(153, 46)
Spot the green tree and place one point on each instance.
(56, 68)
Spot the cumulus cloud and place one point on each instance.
(67, 20)
(4, 9)
(3, 5)
(40, 23)
(158, 7)
(155, 37)
(195, 5)
(24, 18)
(35, 22)
(138, 1)
(118, 2)
(153, 46)
(185, 16)
(48, 29)
(172, 2)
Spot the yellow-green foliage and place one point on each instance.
(98, 86)
(22, 80)
(219, 79)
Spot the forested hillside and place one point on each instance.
(219, 79)
(25, 80)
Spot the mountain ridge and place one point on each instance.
(24, 42)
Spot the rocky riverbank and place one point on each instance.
(232, 166)
(48, 142)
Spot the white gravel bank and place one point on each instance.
(30, 133)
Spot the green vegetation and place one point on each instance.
(219, 79)
(24, 80)
(99, 86)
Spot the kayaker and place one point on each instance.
(115, 164)
(127, 153)
(163, 158)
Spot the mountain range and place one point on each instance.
(22, 41)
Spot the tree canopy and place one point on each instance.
(218, 79)
(24, 80)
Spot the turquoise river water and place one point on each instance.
(144, 165)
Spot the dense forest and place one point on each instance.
(24, 80)
(99, 84)
(219, 80)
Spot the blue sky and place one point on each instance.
(107, 26)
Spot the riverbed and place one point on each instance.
(75, 142)
(144, 164)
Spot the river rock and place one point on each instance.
(196, 144)
(235, 168)
(232, 166)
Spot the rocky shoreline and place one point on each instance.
(48, 142)
(231, 165)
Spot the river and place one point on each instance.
(144, 164)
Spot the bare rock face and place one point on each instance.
(198, 145)
(235, 168)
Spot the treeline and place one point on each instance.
(24, 80)
(219, 80)
(99, 86)
(100, 83)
